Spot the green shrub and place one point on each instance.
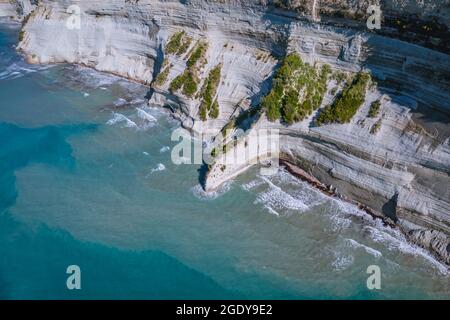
(162, 76)
(186, 42)
(346, 106)
(208, 92)
(178, 44)
(297, 90)
(290, 106)
(198, 53)
(271, 103)
(374, 109)
(178, 82)
(21, 35)
(185, 81)
(203, 112)
(339, 77)
(214, 113)
(190, 85)
(174, 43)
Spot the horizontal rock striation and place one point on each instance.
(397, 162)
(17, 9)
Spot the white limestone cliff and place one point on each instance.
(16, 9)
(408, 158)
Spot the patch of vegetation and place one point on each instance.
(178, 43)
(198, 53)
(345, 107)
(215, 110)
(190, 84)
(214, 153)
(374, 109)
(174, 42)
(162, 76)
(21, 35)
(186, 43)
(297, 90)
(178, 82)
(209, 106)
(339, 77)
(188, 80)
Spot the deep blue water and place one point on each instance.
(85, 179)
(34, 260)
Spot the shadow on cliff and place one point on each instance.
(159, 61)
(202, 175)
(389, 209)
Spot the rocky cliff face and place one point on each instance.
(17, 9)
(396, 162)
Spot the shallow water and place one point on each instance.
(86, 179)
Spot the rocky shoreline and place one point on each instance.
(332, 192)
(435, 244)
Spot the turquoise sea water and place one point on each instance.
(86, 179)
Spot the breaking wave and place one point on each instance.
(159, 167)
(392, 239)
(284, 194)
(17, 70)
(342, 261)
(119, 118)
(145, 115)
(201, 194)
(369, 250)
(164, 149)
(141, 119)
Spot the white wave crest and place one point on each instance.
(159, 167)
(286, 192)
(145, 115)
(275, 199)
(369, 250)
(119, 118)
(395, 241)
(342, 261)
(164, 149)
(201, 194)
(17, 70)
(252, 184)
(120, 102)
